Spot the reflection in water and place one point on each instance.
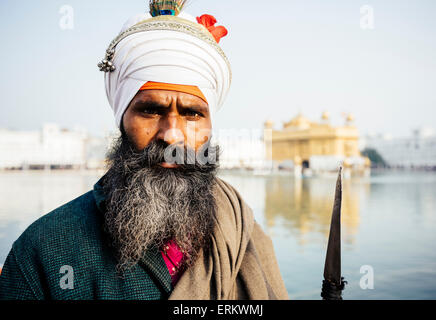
(304, 206)
(26, 196)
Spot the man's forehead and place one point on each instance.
(166, 97)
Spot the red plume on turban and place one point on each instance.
(209, 22)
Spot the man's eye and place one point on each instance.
(151, 111)
(194, 114)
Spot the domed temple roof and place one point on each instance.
(269, 124)
(299, 121)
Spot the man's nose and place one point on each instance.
(171, 130)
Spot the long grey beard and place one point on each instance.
(148, 205)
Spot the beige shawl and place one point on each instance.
(241, 263)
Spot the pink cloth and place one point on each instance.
(173, 259)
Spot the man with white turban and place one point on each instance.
(159, 224)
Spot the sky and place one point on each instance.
(287, 56)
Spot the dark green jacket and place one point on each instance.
(65, 255)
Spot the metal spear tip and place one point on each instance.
(333, 283)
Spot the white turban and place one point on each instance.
(166, 53)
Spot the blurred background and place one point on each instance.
(316, 84)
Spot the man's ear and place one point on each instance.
(123, 132)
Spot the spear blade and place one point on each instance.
(333, 283)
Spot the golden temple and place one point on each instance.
(312, 144)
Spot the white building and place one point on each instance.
(242, 149)
(416, 151)
(50, 147)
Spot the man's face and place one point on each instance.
(150, 200)
(169, 116)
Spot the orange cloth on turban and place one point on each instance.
(150, 85)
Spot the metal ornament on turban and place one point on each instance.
(167, 49)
